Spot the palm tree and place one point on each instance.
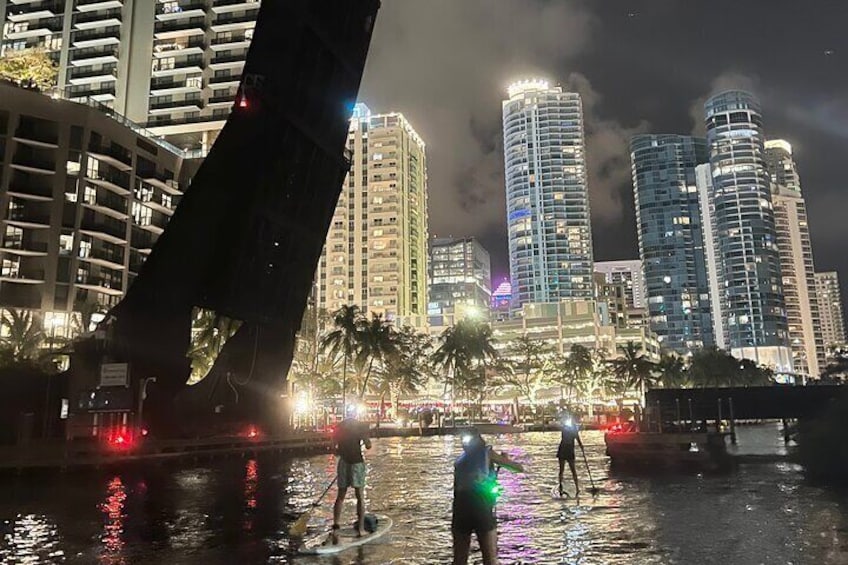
(672, 371)
(451, 357)
(211, 333)
(407, 370)
(633, 369)
(376, 342)
(344, 341)
(526, 358)
(24, 335)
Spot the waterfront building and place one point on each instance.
(752, 303)
(566, 323)
(460, 280)
(375, 256)
(548, 221)
(831, 314)
(671, 239)
(796, 260)
(704, 183)
(85, 195)
(174, 65)
(629, 273)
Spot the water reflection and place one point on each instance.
(239, 512)
(113, 526)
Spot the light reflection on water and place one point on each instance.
(239, 512)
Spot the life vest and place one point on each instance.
(474, 474)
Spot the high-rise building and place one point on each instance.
(502, 300)
(460, 279)
(753, 307)
(376, 251)
(830, 308)
(629, 273)
(547, 197)
(85, 195)
(704, 183)
(174, 65)
(796, 260)
(671, 242)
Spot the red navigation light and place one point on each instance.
(144, 432)
(242, 101)
(252, 432)
(120, 440)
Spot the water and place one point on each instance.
(239, 512)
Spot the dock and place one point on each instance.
(74, 455)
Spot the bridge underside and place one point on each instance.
(749, 403)
(246, 238)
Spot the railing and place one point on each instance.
(94, 34)
(233, 39)
(162, 9)
(177, 104)
(236, 19)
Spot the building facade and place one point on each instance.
(744, 228)
(85, 195)
(376, 251)
(174, 65)
(629, 273)
(671, 239)
(548, 220)
(831, 314)
(796, 260)
(460, 280)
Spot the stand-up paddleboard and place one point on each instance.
(347, 539)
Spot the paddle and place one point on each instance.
(299, 527)
(594, 490)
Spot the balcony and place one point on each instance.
(29, 217)
(41, 28)
(105, 258)
(95, 37)
(29, 191)
(166, 185)
(231, 41)
(109, 205)
(226, 80)
(94, 20)
(189, 66)
(33, 165)
(117, 183)
(24, 276)
(156, 204)
(177, 48)
(121, 160)
(176, 106)
(27, 248)
(98, 5)
(100, 94)
(180, 28)
(81, 75)
(36, 11)
(165, 87)
(165, 12)
(226, 6)
(227, 61)
(94, 56)
(105, 285)
(113, 231)
(232, 22)
(36, 137)
(221, 101)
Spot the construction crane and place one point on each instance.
(246, 238)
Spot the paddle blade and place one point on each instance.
(299, 527)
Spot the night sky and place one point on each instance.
(641, 66)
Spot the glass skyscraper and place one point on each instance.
(744, 224)
(671, 242)
(550, 237)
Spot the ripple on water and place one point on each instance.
(239, 512)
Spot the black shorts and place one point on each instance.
(565, 452)
(472, 515)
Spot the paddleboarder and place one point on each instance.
(565, 451)
(350, 436)
(475, 493)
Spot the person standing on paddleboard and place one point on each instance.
(475, 493)
(350, 436)
(565, 451)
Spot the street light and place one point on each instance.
(54, 322)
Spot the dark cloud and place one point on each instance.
(445, 64)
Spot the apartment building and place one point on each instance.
(84, 195)
(174, 65)
(375, 256)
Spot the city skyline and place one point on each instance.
(587, 55)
